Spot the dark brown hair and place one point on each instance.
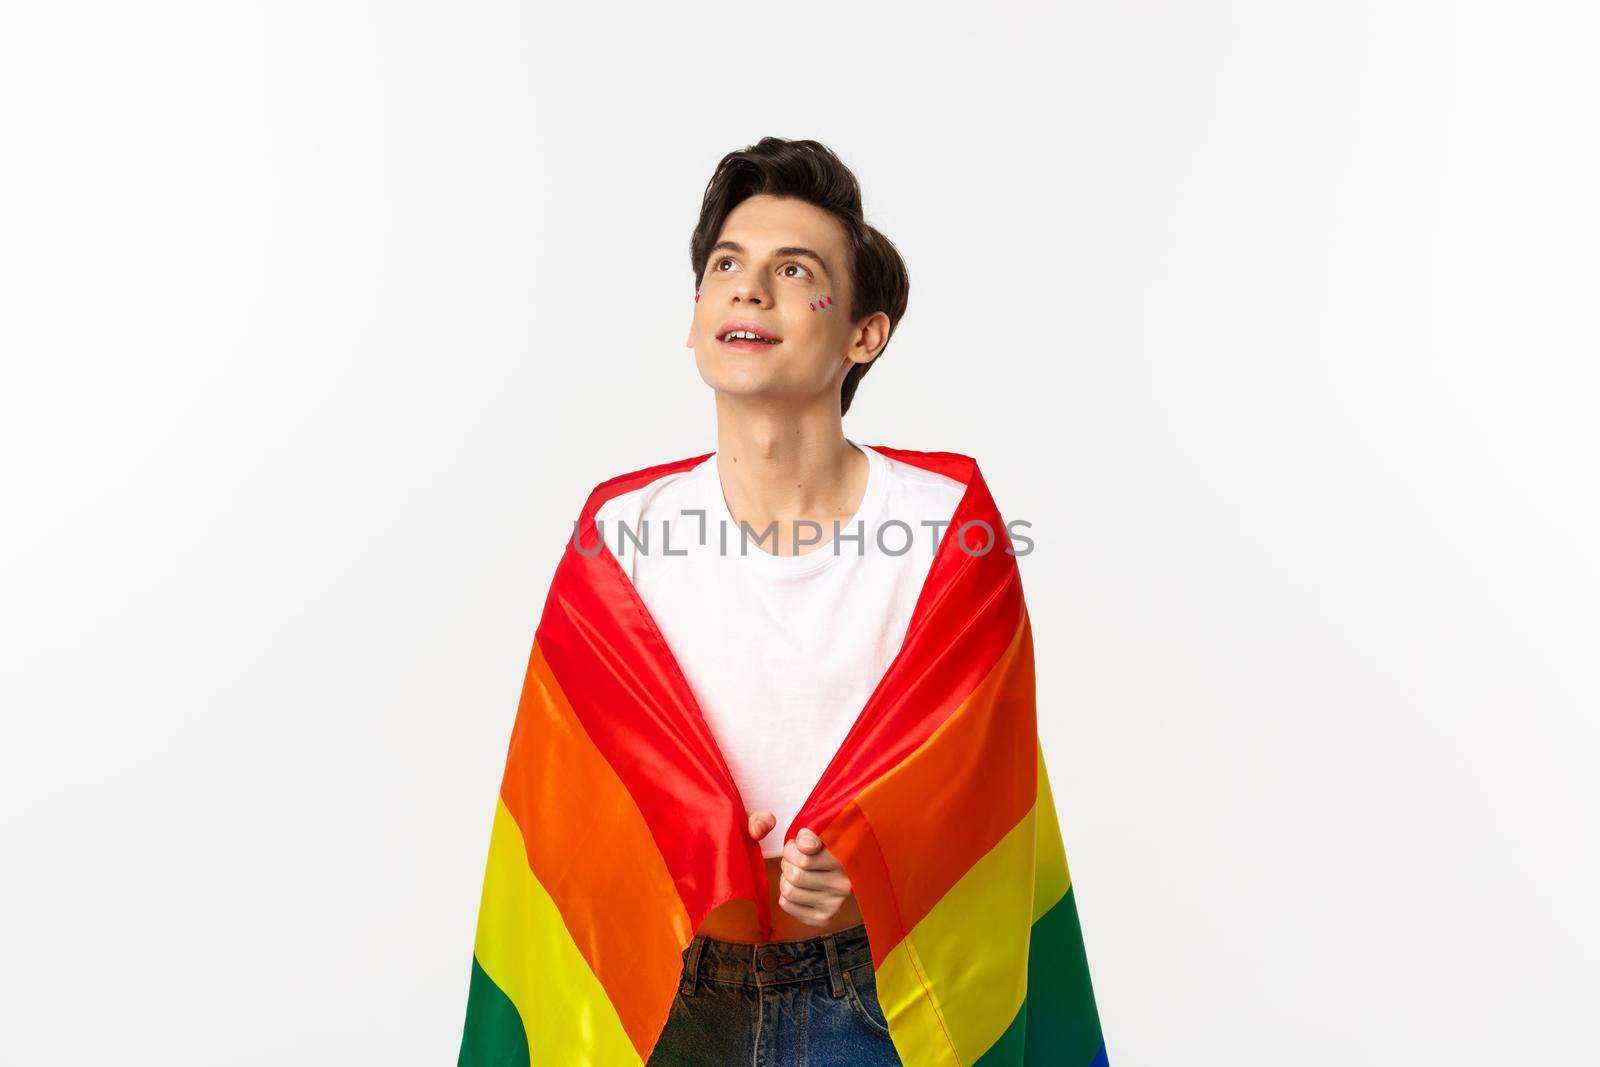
(809, 171)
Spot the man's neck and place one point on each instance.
(787, 465)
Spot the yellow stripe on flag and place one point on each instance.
(959, 979)
(1052, 879)
(523, 946)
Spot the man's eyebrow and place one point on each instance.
(786, 250)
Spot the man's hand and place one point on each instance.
(813, 887)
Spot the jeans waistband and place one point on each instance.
(770, 963)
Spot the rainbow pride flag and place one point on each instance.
(619, 828)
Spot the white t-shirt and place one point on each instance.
(781, 652)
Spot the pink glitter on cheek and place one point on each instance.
(821, 302)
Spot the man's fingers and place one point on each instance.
(802, 878)
(815, 898)
(813, 914)
(761, 824)
(821, 860)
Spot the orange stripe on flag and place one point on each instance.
(947, 804)
(590, 848)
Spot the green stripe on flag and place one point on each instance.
(494, 1035)
(1058, 1023)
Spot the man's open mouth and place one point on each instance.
(746, 335)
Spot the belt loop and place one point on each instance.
(835, 975)
(691, 966)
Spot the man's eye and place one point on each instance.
(798, 267)
(721, 261)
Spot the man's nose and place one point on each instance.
(752, 291)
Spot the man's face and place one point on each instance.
(774, 267)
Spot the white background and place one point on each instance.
(1277, 321)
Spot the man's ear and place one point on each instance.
(871, 336)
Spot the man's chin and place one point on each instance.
(743, 378)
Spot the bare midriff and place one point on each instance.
(735, 920)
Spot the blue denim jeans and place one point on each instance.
(807, 1003)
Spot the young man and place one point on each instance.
(770, 574)
(758, 669)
